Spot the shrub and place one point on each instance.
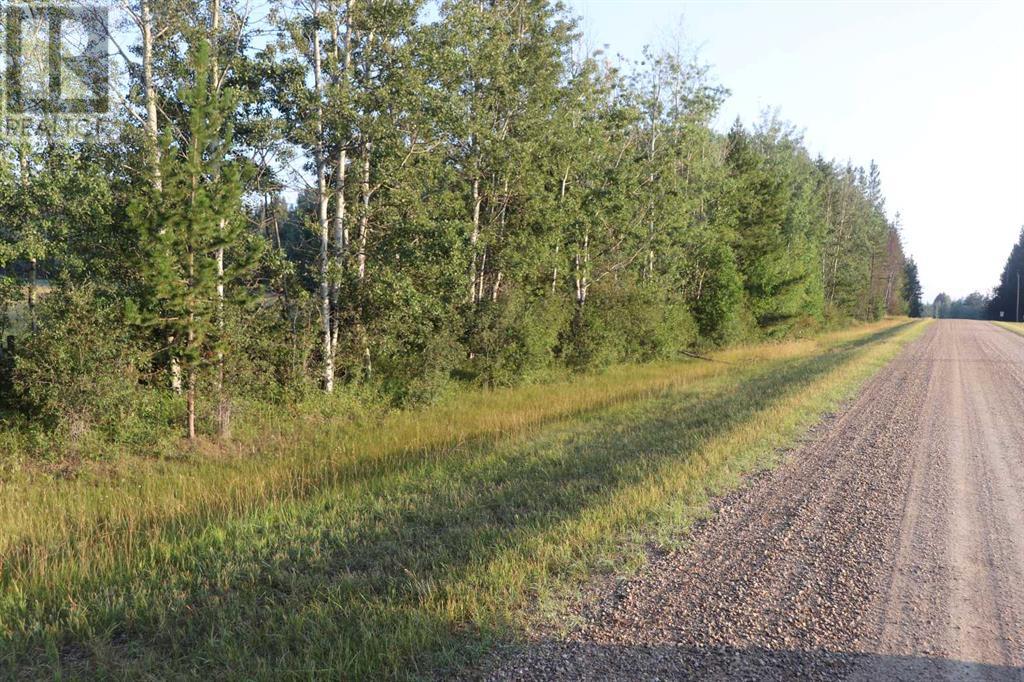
(515, 337)
(80, 371)
(628, 323)
(719, 295)
(269, 350)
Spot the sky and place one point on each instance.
(934, 92)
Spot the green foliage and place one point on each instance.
(10, 293)
(514, 337)
(80, 374)
(719, 293)
(628, 324)
(416, 338)
(975, 306)
(778, 225)
(912, 292)
(192, 232)
(483, 202)
(182, 227)
(270, 354)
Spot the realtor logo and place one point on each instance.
(55, 62)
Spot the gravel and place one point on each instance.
(889, 546)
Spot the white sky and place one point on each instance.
(934, 92)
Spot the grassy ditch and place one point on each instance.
(1015, 327)
(396, 546)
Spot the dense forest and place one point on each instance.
(388, 199)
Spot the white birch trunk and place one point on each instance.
(474, 237)
(364, 235)
(340, 173)
(327, 346)
(149, 89)
(146, 28)
(364, 218)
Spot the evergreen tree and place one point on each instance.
(772, 254)
(197, 215)
(912, 292)
(1005, 295)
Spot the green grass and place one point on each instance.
(399, 546)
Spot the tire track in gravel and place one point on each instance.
(956, 595)
(888, 546)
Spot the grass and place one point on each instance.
(399, 546)
(1015, 327)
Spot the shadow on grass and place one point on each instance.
(394, 573)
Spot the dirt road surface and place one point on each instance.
(889, 547)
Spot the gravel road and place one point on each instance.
(889, 546)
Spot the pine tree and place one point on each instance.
(1004, 296)
(912, 292)
(198, 214)
(759, 204)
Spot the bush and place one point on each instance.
(515, 338)
(80, 371)
(269, 351)
(719, 297)
(10, 294)
(628, 323)
(413, 340)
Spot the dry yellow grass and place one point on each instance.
(1015, 327)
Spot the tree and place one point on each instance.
(475, 197)
(1004, 296)
(912, 292)
(974, 306)
(183, 233)
(774, 242)
(299, 88)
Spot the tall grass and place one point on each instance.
(392, 546)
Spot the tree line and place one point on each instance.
(1003, 303)
(396, 197)
(974, 306)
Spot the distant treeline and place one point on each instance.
(1004, 302)
(484, 202)
(972, 307)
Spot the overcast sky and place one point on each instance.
(934, 92)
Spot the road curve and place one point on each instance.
(889, 547)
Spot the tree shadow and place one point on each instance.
(350, 579)
(549, 660)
